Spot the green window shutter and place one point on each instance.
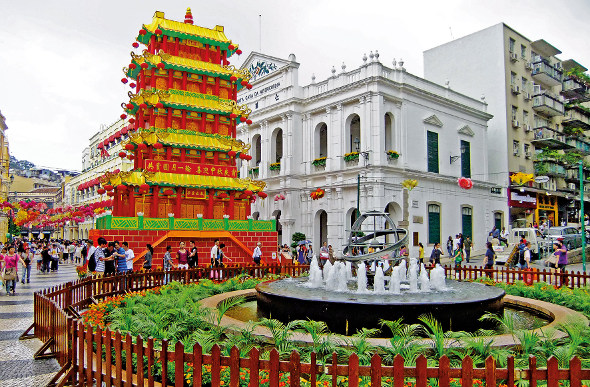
(433, 224)
(465, 159)
(432, 149)
(467, 222)
(498, 221)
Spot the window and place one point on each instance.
(524, 82)
(511, 44)
(498, 220)
(465, 159)
(516, 148)
(523, 51)
(513, 78)
(432, 149)
(514, 112)
(525, 117)
(433, 223)
(467, 221)
(527, 151)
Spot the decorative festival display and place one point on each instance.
(33, 214)
(521, 178)
(465, 183)
(317, 194)
(409, 184)
(279, 197)
(182, 137)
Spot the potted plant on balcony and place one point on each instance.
(254, 171)
(392, 155)
(573, 132)
(352, 156)
(319, 162)
(275, 166)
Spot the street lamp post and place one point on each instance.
(581, 176)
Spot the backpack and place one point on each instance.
(521, 257)
(92, 262)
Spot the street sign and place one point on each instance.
(541, 179)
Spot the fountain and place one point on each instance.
(333, 296)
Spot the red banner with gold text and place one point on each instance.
(165, 166)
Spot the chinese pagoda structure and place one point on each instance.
(182, 142)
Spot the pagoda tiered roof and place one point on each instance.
(180, 138)
(182, 30)
(137, 178)
(185, 64)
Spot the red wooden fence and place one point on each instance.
(80, 351)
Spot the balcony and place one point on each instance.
(575, 90)
(575, 116)
(581, 146)
(547, 138)
(545, 73)
(549, 168)
(573, 175)
(547, 104)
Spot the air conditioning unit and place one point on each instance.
(526, 127)
(528, 66)
(571, 186)
(527, 154)
(513, 56)
(515, 124)
(516, 152)
(515, 89)
(527, 96)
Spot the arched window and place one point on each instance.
(353, 138)
(321, 141)
(321, 229)
(467, 221)
(277, 146)
(433, 223)
(256, 149)
(389, 140)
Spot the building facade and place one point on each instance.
(537, 101)
(4, 176)
(101, 155)
(358, 135)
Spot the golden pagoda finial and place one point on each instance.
(188, 17)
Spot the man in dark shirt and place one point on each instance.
(109, 259)
(193, 258)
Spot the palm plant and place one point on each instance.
(359, 344)
(282, 336)
(479, 345)
(405, 341)
(441, 343)
(324, 343)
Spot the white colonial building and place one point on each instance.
(352, 119)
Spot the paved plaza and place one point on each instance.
(17, 366)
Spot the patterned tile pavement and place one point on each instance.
(17, 366)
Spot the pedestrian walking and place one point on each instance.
(257, 257)
(420, 253)
(489, 258)
(450, 246)
(324, 255)
(168, 264)
(27, 258)
(309, 253)
(467, 245)
(110, 266)
(147, 258)
(10, 270)
(129, 256)
(435, 254)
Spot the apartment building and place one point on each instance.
(4, 175)
(539, 117)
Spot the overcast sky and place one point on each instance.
(61, 61)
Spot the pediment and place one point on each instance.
(261, 65)
(466, 130)
(433, 120)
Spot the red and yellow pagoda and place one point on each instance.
(184, 180)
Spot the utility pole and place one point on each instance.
(581, 176)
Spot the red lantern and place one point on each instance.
(144, 65)
(130, 157)
(231, 47)
(247, 157)
(105, 142)
(233, 78)
(112, 138)
(108, 187)
(135, 45)
(130, 106)
(132, 85)
(263, 195)
(129, 146)
(242, 119)
(144, 187)
(222, 195)
(465, 183)
(248, 192)
(231, 154)
(160, 105)
(123, 116)
(101, 191)
(249, 122)
(248, 86)
(142, 146)
(244, 83)
(111, 194)
(122, 187)
(132, 120)
(239, 52)
(143, 105)
(161, 66)
(158, 145)
(116, 171)
(132, 66)
(158, 31)
(168, 191)
(124, 80)
(122, 154)
(142, 32)
(242, 156)
(233, 115)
